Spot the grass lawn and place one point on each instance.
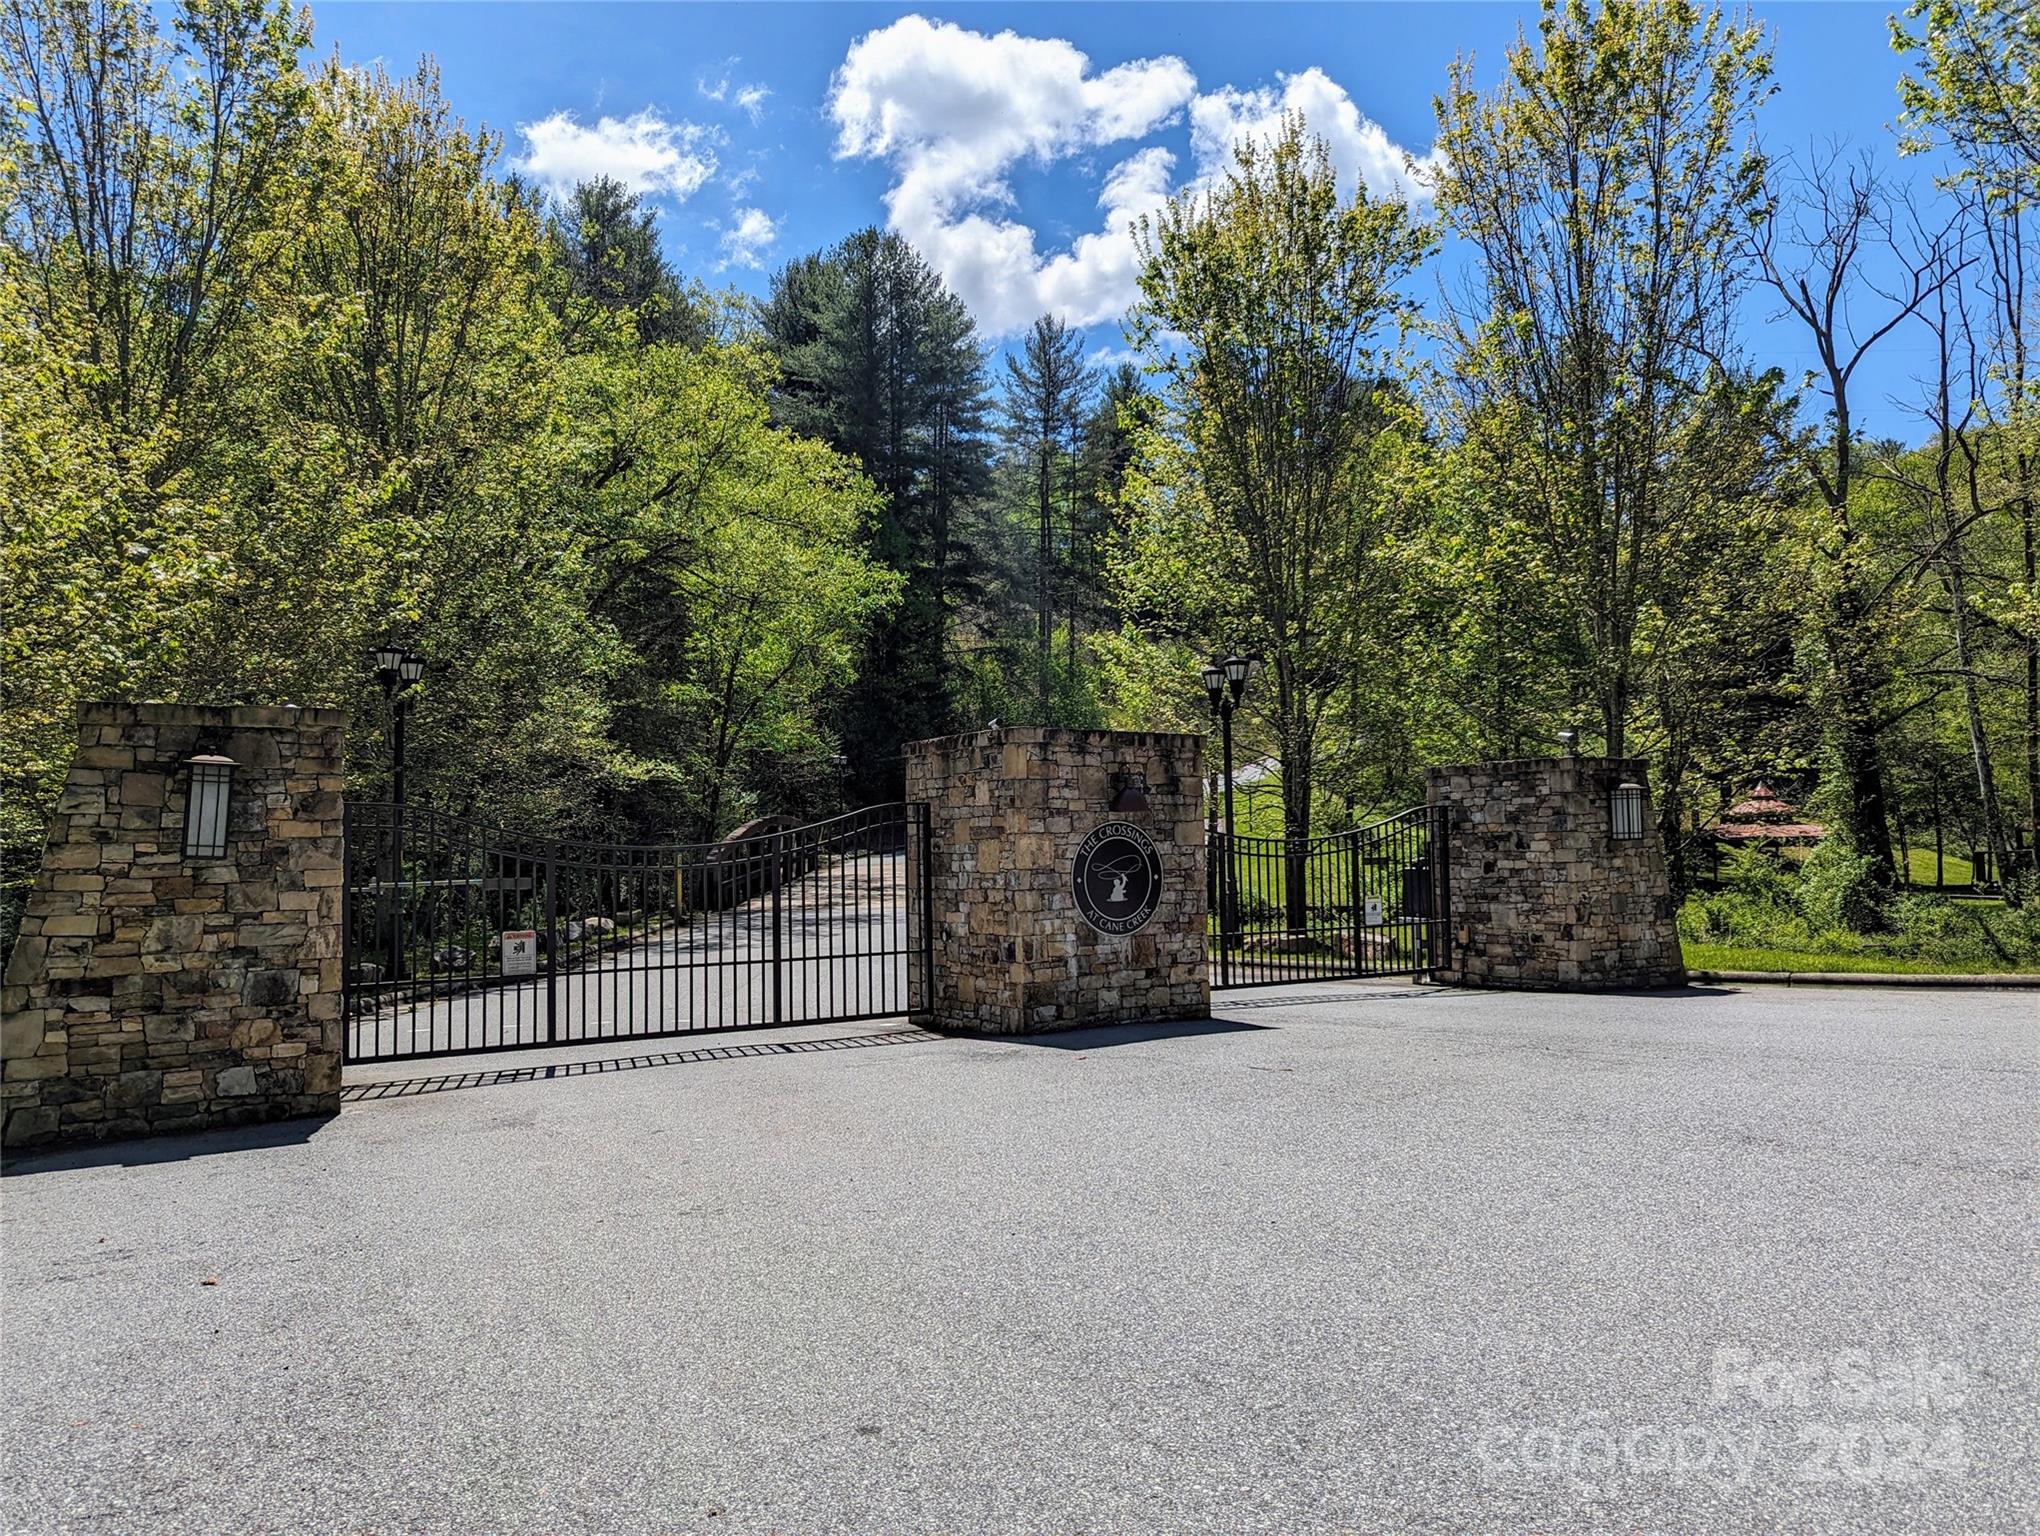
(1954, 868)
(1725, 957)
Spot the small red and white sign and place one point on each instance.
(520, 952)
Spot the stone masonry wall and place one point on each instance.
(1542, 893)
(1007, 810)
(149, 992)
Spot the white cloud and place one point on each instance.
(645, 151)
(1361, 150)
(745, 242)
(749, 98)
(953, 111)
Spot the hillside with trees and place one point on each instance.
(291, 362)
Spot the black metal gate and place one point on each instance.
(1371, 901)
(461, 938)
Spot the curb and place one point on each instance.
(2014, 982)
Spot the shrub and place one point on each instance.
(1931, 923)
(1842, 889)
(1733, 917)
(1759, 875)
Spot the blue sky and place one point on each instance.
(1014, 161)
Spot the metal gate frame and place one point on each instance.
(1283, 910)
(798, 925)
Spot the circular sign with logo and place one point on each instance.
(1118, 877)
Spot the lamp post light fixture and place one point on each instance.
(206, 806)
(1625, 811)
(1569, 741)
(399, 670)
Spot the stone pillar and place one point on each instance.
(150, 991)
(1542, 894)
(1014, 814)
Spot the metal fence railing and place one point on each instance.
(1370, 901)
(461, 938)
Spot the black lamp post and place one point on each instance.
(399, 671)
(1225, 682)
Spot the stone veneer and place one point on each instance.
(149, 992)
(1007, 809)
(1542, 894)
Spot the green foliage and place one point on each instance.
(1735, 931)
(882, 362)
(1264, 510)
(606, 241)
(1842, 889)
(1048, 389)
(1758, 875)
(1603, 190)
(1974, 84)
(327, 377)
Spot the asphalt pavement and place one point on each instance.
(1352, 1258)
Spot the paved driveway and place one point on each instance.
(1361, 1260)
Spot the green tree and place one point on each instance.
(1975, 85)
(1603, 192)
(725, 556)
(1269, 304)
(608, 241)
(96, 574)
(154, 173)
(144, 177)
(882, 362)
(1048, 390)
(1974, 89)
(1810, 243)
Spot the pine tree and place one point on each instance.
(882, 361)
(1048, 387)
(608, 242)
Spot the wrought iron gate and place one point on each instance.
(1371, 901)
(460, 938)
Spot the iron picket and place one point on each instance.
(800, 925)
(1287, 910)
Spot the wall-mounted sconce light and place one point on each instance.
(1132, 793)
(1625, 810)
(205, 806)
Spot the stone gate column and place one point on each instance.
(1051, 907)
(1542, 892)
(164, 982)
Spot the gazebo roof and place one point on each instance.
(1766, 814)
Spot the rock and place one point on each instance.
(21, 1033)
(269, 989)
(235, 1082)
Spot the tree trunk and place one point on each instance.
(2026, 539)
(1972, 707)
(1296, 837)
(1615, 715)
(1041, 583)
(1866, 820)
